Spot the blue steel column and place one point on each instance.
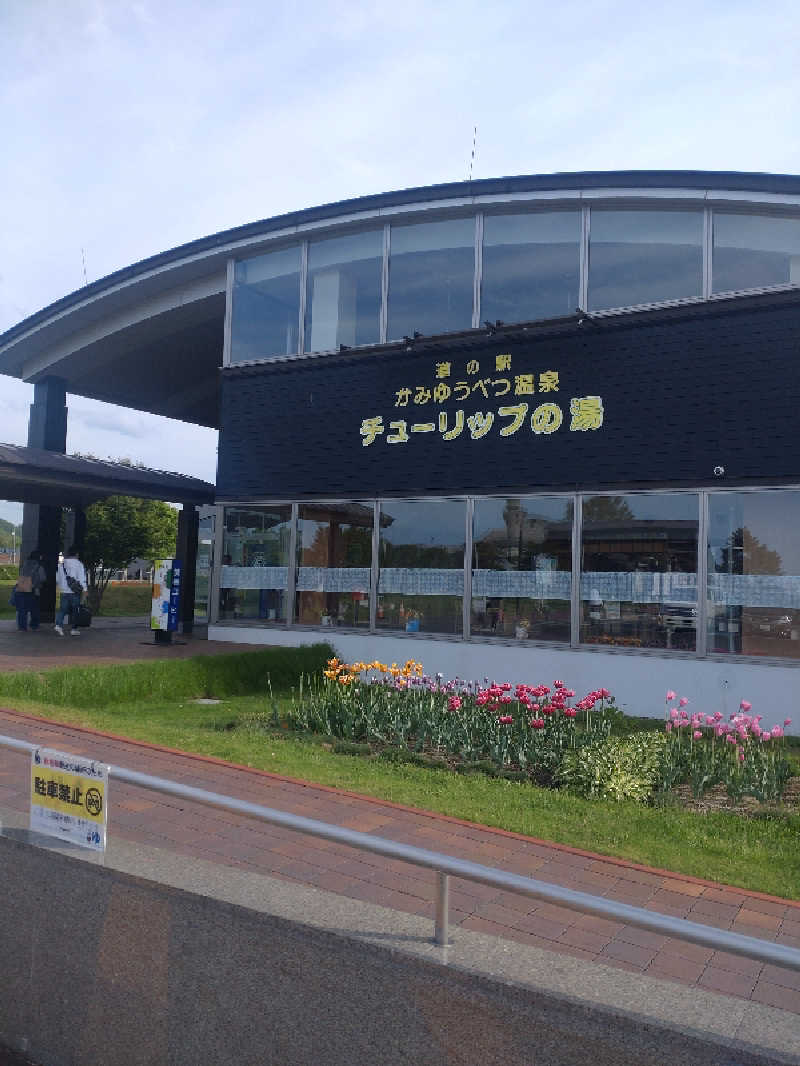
(41, 525)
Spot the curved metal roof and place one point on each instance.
(150, 336)
(699, 180)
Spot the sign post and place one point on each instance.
(68, 797)
(165, 609)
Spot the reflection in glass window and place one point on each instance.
(752, 251)
(334, 557)
(421, 584)
(266, 306)
(639, 571)
(754, 573)
(343, 300)
(431, 277)
(530, 266)
(522, 568)
(255, 558)
(638, 257)
(205, 541)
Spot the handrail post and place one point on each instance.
(446, 865)
(440, 937)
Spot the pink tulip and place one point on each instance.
(668, 727)
(776, 731)
(745, 706)
(670, 695)
(787, 721)
(682, 701)
(697, 734)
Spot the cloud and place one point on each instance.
(114, 432)
(90, 416)
(153, 124)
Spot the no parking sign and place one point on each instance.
(68, 797)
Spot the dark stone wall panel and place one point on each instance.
(680, 397)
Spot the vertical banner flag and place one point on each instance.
(165, 611)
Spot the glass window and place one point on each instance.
(421, 585)
(255, 558)
(751, 251)
(639, 257)
(343, 300)
(266, 306)
(754, 573)
(522, 568)
(639, 571)
(205, 552)
(530, 266)
(431, 277)
(334, 559)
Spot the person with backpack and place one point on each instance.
(26, 594)
(71, 582)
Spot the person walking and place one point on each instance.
(71, 582)
(32, 576)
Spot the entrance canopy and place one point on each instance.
(34, 475)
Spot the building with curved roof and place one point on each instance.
(550, 416)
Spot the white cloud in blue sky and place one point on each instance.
(131, 126)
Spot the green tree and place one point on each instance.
(119, 530)
(7, 531)
(603, 509)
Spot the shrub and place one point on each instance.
(618, 768)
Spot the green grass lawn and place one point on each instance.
(6, 610)
(125, 599)
(762, 854)
(121, 600)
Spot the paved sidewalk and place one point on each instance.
(108, 640)
(195, 831)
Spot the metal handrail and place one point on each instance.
(447, 866)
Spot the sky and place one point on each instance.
(132, 126)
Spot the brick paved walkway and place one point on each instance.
(224, 838)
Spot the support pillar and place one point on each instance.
(75, 530)
(186, 551)
(41, 525)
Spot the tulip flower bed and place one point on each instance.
(524, 728)
(540, 733)
(740, 754)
